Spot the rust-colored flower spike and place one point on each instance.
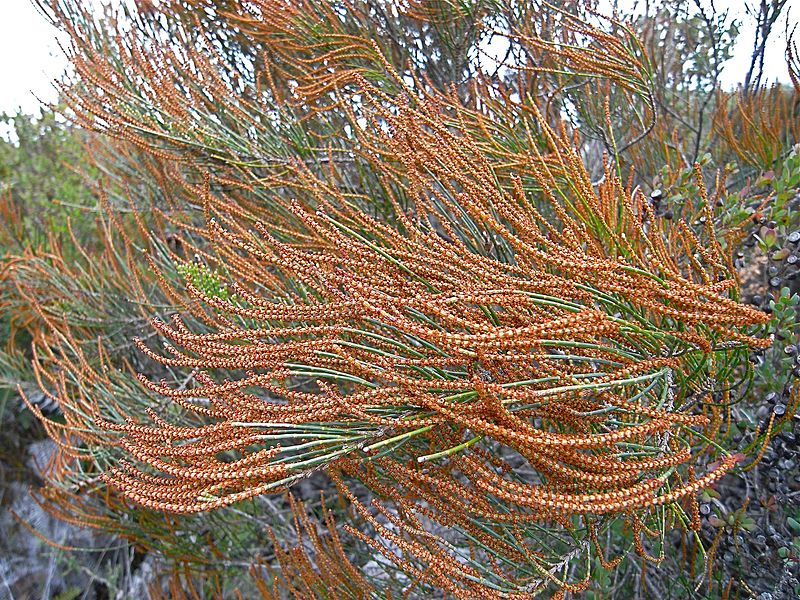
(412, 341)
(793, 60)
(427, 297)
(757, 124)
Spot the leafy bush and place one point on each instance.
(480, 311)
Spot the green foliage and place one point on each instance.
(206, 280)
(785, 185)
(784, 326)
(43, 165)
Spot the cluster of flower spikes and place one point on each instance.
(497, 358)
(516, 353)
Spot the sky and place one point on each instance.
(30, 57)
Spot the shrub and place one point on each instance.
(448, 288)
